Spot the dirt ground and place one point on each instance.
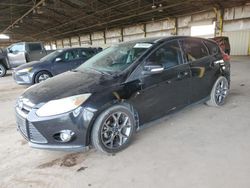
(198, 147)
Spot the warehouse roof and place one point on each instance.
(56, 19)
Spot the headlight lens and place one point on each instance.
(25, 70)
(61, 106)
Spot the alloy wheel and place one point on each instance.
(43, 77)
(221, 91)
(2, 70)
(116, 130)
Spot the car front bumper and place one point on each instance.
(41, 131)
(23, 78)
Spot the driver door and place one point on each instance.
(66, 61)
(16, 55)
(165, 91)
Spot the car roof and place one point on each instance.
(74, 48)
(162, 39)
(220, 37)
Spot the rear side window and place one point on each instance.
(35, 47)
(212, 47)
(194, 49)
(86, 53)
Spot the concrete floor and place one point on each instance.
(198, 147)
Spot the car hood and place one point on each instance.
(68, 84)
(30, 64)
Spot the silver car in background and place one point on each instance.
(21, 53)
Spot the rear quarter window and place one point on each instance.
(212, 47)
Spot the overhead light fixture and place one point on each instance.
(153, 6)
(39, 10)
(3, 36)
(160, 8)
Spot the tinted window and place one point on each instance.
(86, 53)
(212, 47)
(70, 55)
(168, 55)
(194, 49)
(35, 47)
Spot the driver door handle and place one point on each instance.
(183, 74)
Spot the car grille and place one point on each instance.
(35, 135)
(27, 129)
(22, 125)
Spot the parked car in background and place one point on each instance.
(53, 64)
(20, 53)
(3, 62)
(110, 96)
(223, 42)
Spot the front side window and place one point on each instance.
(70, 55)
(52, 55)
(17, 48)
(116, 58)
(169, 55)
(194, 49)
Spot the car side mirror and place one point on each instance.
(10, 51)
(153, 69)
(58, 59)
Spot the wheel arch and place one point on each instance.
(2, 62)
(116, 100)
(43, 70)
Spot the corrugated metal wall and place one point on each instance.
(239, 41)
(236, 25)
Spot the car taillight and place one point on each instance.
(226, 57)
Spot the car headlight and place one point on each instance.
(25, 70)
(61, 106)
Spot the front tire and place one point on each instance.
(219, 92)
(3, 70)
(114, 129)
(42, 76)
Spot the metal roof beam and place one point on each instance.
(28, 12)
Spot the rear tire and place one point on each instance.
(42, 76)
(114, 129)
(219, 92)
(3, 70)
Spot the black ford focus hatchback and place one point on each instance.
(108, 98)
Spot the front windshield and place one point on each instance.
(115, 58)
(52, 55)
